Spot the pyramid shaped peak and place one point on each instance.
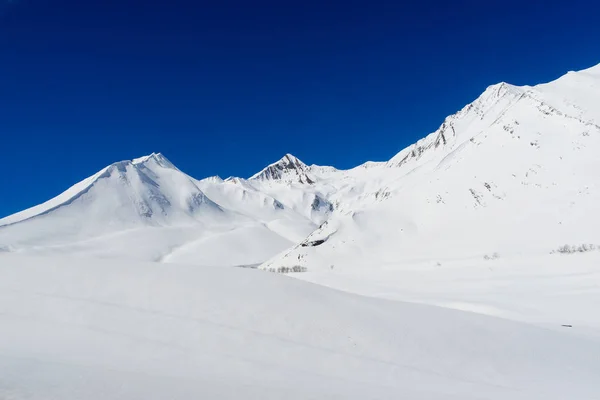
(290, 159)
(289, 156)
(288, 168)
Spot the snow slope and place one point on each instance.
(144, 191)
(515, 173)
(147, 209)
(548, 291)
(71, 329)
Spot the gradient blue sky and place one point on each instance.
(226, 87)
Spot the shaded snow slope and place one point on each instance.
(90, 329)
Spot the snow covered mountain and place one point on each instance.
(473, 217)
(288, 169)
(147, 190)
(148, 209)
(515, 172)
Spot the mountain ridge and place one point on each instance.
(548, 131)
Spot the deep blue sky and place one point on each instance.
(225, 87)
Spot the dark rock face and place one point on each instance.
(321, 205)
(314, 243)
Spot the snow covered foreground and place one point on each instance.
(547, 291)
(81, 329)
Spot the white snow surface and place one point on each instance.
(93, 329)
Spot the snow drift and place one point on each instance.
(71, 330)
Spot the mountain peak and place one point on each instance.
(213, 179)
(291, 161)
(158, 158)
(474, 117)
(289, 168)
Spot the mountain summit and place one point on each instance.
(289, 168)
(148, 190)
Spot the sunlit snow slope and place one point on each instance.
(147, 209)
(73, 330)
(514, 173)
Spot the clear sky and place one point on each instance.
(226, 87)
